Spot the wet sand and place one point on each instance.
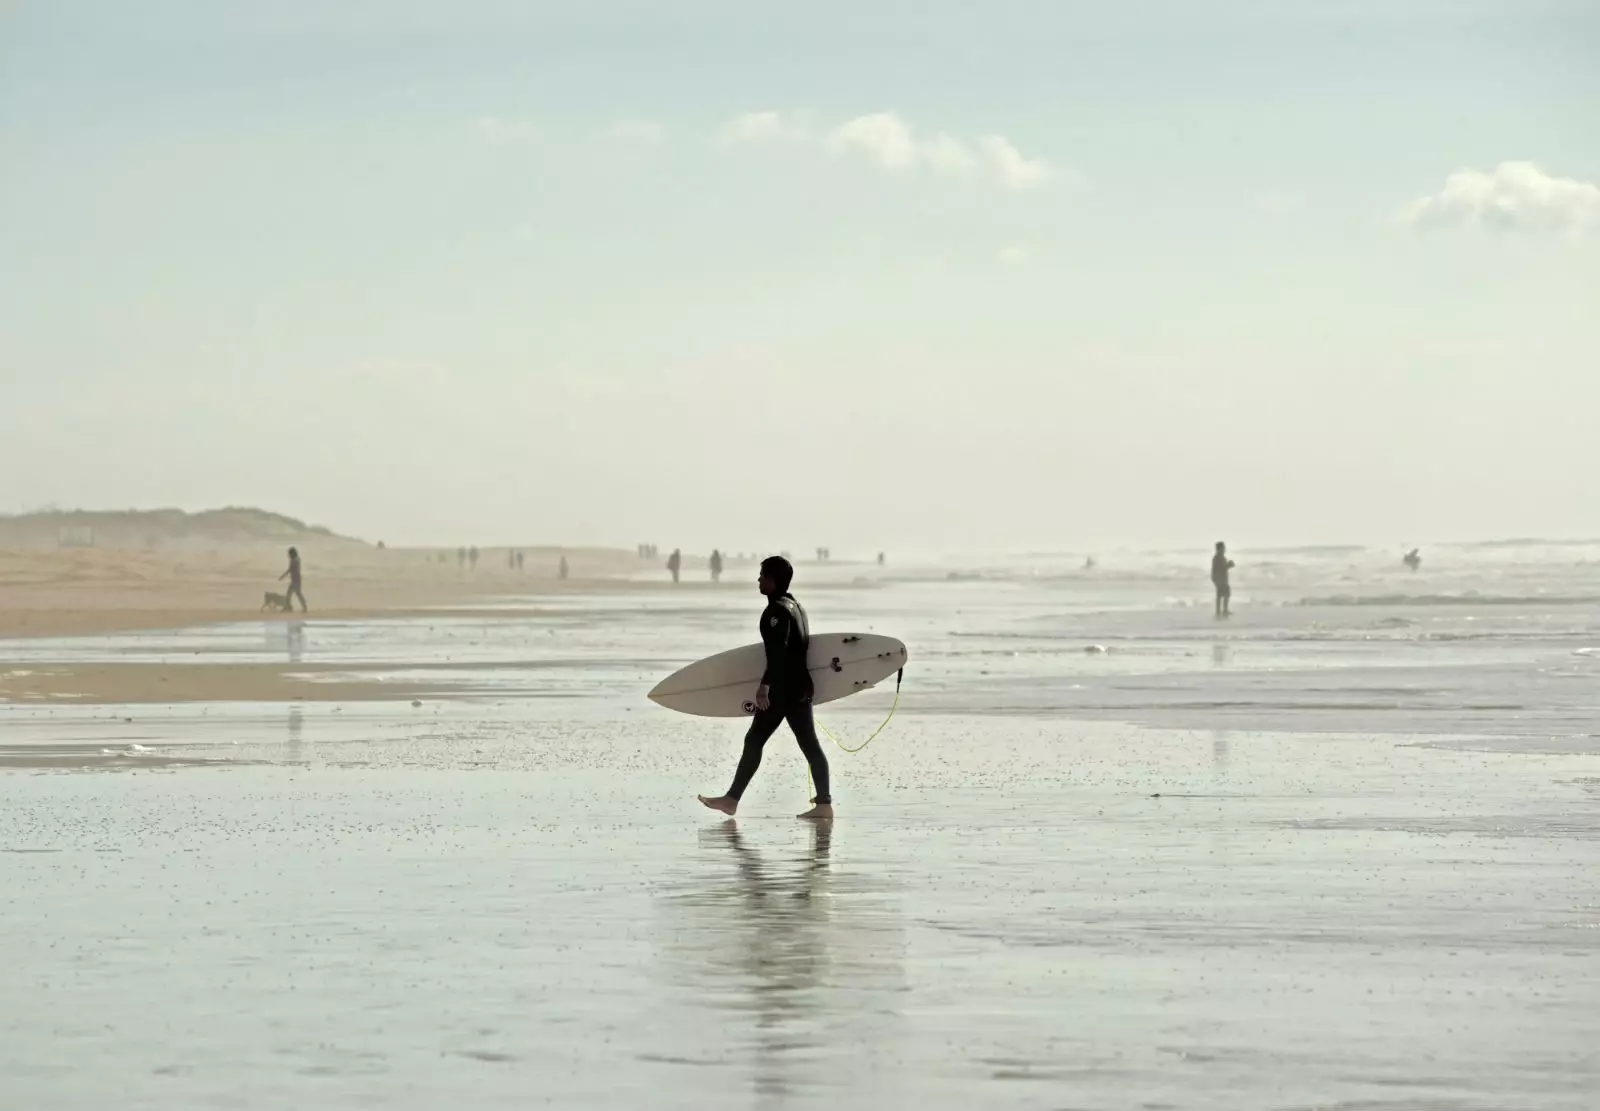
(499, 907)
(507, 895)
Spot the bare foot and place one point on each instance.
(822, 812)
(728, 806)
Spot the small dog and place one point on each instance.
(271, 601)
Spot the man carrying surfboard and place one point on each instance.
(784, 694)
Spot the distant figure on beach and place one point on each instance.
(1413, 558)
(472, 556)
(784, 694)
(1220, 566)
(675, 563)
(880, 559)
(294, 591)
(520, 561)
(561, 568)
(1089, 563)
(716, 565)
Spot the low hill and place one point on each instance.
(230, 527)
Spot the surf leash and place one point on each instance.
(895, 705)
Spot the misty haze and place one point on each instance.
(729, 555)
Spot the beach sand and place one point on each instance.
(73, 592)
(1330, 881)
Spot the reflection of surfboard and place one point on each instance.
(724, 685)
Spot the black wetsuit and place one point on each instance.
(787, 635)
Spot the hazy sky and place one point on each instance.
(924, 273)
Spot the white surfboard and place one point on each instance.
(724, 685)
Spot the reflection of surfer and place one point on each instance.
(785, 692)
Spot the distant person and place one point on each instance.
(1413, 558)
(1221, 565)
(1089, 563)
(881, 559)
(294, 591)
(472, 556)
(675, 563)
(562, 568)
(784, 694)
(716, 565)
(521, 559)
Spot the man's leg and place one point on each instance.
(762, 728)
(804, 727)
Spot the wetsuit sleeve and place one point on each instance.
(775, 636)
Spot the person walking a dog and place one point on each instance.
(293, 575)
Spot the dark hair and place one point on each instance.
(779, 570)
(293, 552)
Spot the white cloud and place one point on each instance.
(1013, 170)
(1016, 255)
(948, 155)
(500, 131)
(883, 137)
(891, 143)
(763, 127)
(647, 133)
(1513, 197)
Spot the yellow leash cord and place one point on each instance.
(895, 705)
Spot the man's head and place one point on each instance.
(293, 554)
(776, 575)
(1221, 547)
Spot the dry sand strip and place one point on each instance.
(71, 592)
(93, 684)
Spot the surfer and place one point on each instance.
(784, 694)
(716, 565)
(1220, 566)
(675, 563)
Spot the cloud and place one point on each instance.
(500, 131)
(647, 133)
(891, 143)
(1513, 197)
(763, 127)
(1013, 170)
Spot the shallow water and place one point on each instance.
(511, 900)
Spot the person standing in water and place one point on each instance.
(784, 694)
(675, 563)
(716, 565)
(293, 575)
(1221, 565)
